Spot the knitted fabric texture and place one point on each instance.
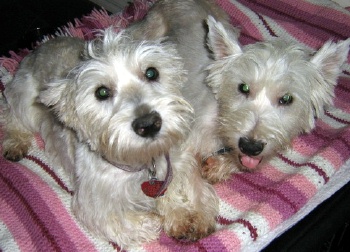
(255, 207)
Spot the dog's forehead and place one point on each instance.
(275, 52)
(274, 65)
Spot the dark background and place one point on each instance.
(20, 19)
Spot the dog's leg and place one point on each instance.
(17, 139)
(190, 204)
(217, 168)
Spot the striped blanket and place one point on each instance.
(256, 207)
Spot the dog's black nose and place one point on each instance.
(147, 125)
(250, 147)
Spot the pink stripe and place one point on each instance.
(240, 19)
(223, 241)
(313, 23)
(303, 184)
(229, 239)
(341, 143)
(25, 211)
(305, 34)
(233, 198)
(343, 105)
(15, 226)
(156, 246)
(333, 157)
(320, 11)
(272, 216)
(48, 210)
(56, 208)
(301, 146)
(297, 180)
(213, 241)
(39, 142)
(318, 138)
(342, 93)
(166, 243)
(343, 84)
(273, 173)
(322, 136)
(282, 196)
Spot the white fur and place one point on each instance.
(271, 69)
(54, 93)
(183, 22)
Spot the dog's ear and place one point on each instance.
(52, 93)
(95, 45)
(330, 58)
(328, 61)
(54, 97)
(222, 41)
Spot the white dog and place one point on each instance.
(268, 93)
(114, 118)
(184, 23)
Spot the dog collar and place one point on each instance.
(153, 187)
(221, 151)
(128, 168)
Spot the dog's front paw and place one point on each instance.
(189, 226)
(216, 169)
(15, 152)
(16, 143)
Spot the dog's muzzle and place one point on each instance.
(147, 125)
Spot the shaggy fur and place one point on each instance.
(183, 22)
(268, 93)
(108, 116)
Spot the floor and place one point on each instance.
(22, 22)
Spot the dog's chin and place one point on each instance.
(249, 163)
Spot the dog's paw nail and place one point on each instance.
(12, 157)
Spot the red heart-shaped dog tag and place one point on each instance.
(152, 189)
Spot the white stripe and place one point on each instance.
(228, 212)
(65, 198)
(245, 236)
(253, 17)
(7, 242)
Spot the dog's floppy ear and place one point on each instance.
(54, 96)
(222, 41)
(328, 61)
(95, 45)
(52, 93)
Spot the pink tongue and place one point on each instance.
(249, 162)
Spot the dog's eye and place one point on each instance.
(244, 88)
(286, 99)
(102, 93)
(151, 73)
